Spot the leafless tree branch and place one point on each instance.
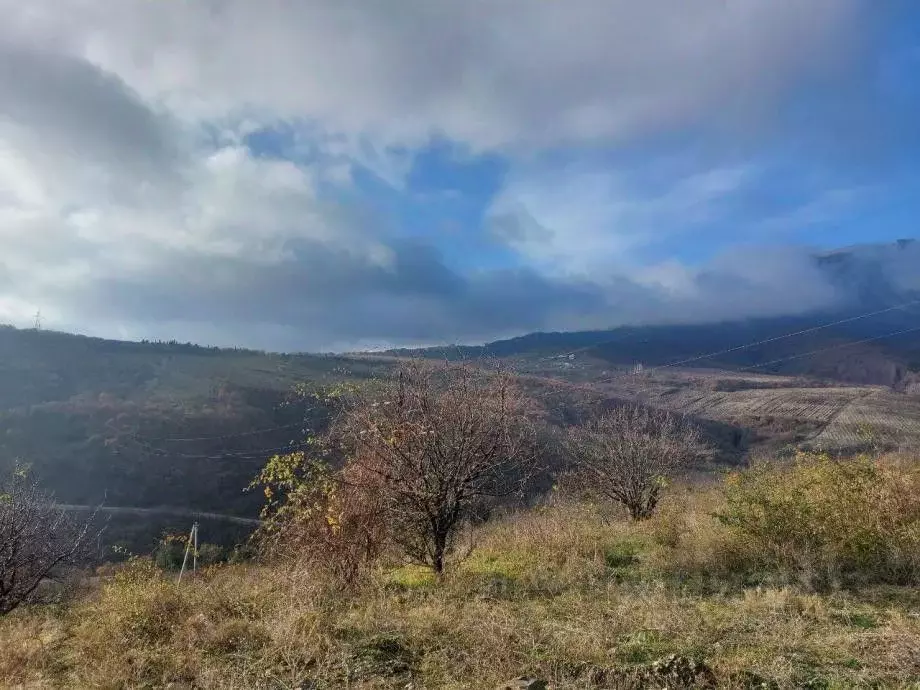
(37, 539)
(627, 454)
(434, 444)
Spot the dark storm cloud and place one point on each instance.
(78, 110)
(329, 295)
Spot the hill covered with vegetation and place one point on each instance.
(152, 425)
(416, 542)
(881, 349)
(177, 429)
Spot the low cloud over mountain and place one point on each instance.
(313, 175)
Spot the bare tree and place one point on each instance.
(36, 538)
(434, 445)
(628, 453)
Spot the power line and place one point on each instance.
(589, 387)
(163, 510)
(293, 445)
(247, 454)
(839, 346)
(220, 437)
(774, 339)
(241, 434)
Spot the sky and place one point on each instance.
(318, 175)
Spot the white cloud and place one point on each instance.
(592, 222)
(825, 206)
(129, 202)
(484, 72)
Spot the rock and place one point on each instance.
(523, 683)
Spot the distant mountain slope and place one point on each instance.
(96, 418)
(870, 281)
(841, 356)
(871, 276)
(41, 366)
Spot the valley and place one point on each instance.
(169, 430)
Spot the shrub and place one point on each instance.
(211, 554)
(828, 521)
(170, 552)
(628, 454)
(135, 612)
(37, 539)
(314, 517)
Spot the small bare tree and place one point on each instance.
(36, 538)
(434, 445)
(628, 453)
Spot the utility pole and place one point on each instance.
(37, 324)
(190, 545)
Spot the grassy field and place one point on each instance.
(569, 592)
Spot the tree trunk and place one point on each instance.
(440, 548)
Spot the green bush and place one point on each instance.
(169, 554)
(210, 554)
(827, 521)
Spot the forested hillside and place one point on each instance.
(151, 425)
(880, 347)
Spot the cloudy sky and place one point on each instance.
(319, 174)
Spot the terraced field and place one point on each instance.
(780, 410)
(807, 404)
(881, 417)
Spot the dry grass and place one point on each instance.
(565, 591)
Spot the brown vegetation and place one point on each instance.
(828, 522)
(798, 574)
(628, 453)
(559, 592)
(423, 453)
(37, 539)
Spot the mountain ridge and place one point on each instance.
(876, 299)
